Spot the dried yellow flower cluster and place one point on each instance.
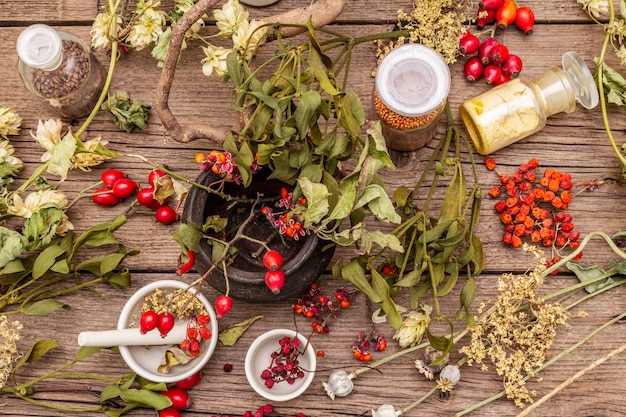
(9, 335)
(434, 23)
(180, 303)
(516, 333)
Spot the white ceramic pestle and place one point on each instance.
(132, 337)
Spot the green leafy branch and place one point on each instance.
(119, 396)
(33, 282)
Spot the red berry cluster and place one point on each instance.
(179, 396)
(163, 213)
(494, 61)
(197, 328)
(274, 277)
(116, 188)
(362, 346)
(320, 308)
(535, 207)
(285, 218)
(285, 365)
(505, 13)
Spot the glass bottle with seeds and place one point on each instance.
(60, 68)
(517, 109)
(411, 88)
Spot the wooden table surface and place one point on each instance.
(575, 143)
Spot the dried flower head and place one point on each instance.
(48, 136)
(10, 122)
(215, 60)
(436, 24)
(85, 160)
(180, 303)
(230, 17)
(596, 8)
(36, 201)
(517, 340)
(104, 29)
(413, 327)
(9, 335)
(147, 30)
(6, 157)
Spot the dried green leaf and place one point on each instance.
(231, 335)
(380, 286)
(590, 274)
(36, 352)
(61, 160)
(12, 247)
(45, 306)
(354, 273)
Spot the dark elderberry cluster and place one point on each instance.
(285, 365)
(320, 308)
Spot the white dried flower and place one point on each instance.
(105, 29)
(386, 410)
(149, 27)
(6, 155)
(339, 384)
(249, 37)
(48, 136)
(413, 327)
(230, 18)
(36, 201)
(215, 60)
(10, 121)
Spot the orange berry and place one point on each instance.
(320, 353)
(200, 157)
(490, 164)
(215, 169)
(345, 303)
(366, 357)
(309, 314)
(221, 158)
(358, 354)
(516, 241)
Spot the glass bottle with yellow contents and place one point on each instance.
(517, 109)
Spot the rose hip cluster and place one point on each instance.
(493, 60)
(320, 308)
(117, 186)
(197, 328)
(274, 277)
(535, 207)
(283, 216)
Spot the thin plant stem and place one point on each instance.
(545, 365)
(571, 380)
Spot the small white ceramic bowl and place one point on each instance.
(259, 356)
(145, 360)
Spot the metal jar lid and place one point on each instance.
(413, 80)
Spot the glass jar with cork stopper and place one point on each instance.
(60, 68)
(517, 109)
(411, 88)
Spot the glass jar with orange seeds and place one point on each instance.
(411, 88)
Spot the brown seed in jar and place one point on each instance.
(398, 121)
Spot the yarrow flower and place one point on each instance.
(10, 122)
(149, 27)
(9, 336)
(105, 29)
(413, 327)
